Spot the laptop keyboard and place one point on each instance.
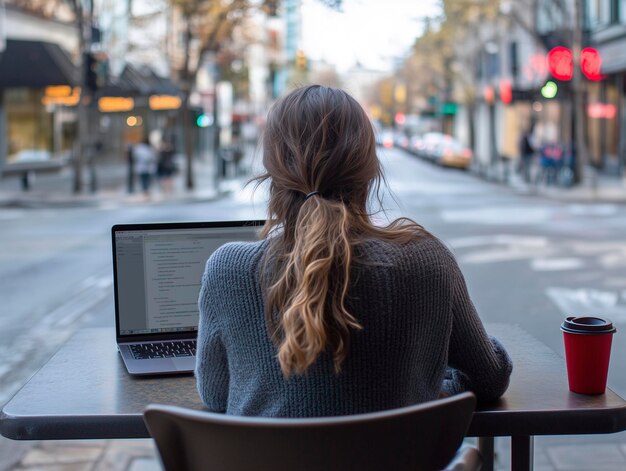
(178, 348)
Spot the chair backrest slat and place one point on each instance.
(419, 437)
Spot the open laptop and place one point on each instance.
(157, 269)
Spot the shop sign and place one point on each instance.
(61, 95)
(164, 102)
(601, 110)
(111, 104)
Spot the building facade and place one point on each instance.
(605, 21)
(38, 80)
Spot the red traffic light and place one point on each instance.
(489, 94)
(590, 63)
(560, 63)
(506, 92)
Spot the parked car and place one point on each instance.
(385, 138)
(442, 149)
(415, 145)
(401, 140)
(454, 154)
(427, 145)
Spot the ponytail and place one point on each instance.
(310, 291)
(317, 138)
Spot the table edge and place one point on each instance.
(72, 427)
(548, 422)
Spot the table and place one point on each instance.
(85, 392)
(539, 402)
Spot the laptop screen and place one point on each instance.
(158, 269)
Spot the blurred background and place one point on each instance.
(460, 82)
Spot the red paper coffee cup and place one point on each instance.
(587, 353)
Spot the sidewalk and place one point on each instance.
(55, 191)
(140, 455)
(595, 187)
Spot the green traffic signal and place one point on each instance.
(549, 90)
(203, 121)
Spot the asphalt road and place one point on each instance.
(527, 260)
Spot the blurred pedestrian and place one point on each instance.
(551, 160)
(130, 161)
(145, 162)
(526, 153)
(166, 167)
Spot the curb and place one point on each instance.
(99, 201)
(578, 194)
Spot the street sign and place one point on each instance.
(224, 104)
(449, 108)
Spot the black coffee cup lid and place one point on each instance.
(587, 325)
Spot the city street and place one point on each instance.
(527, 260)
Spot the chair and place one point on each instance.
(420, 437)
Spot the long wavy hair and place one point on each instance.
(317, 139)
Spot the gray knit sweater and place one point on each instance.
(421, 336)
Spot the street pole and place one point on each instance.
(579, 104)
(92, 110)
(81, 108)
(186, 86)
(84, 45)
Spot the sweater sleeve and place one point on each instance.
(476, 361)
(212, 376)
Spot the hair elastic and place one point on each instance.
(313, 193)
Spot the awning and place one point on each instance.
(35, 64)
(142, 82)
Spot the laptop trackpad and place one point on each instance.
(184, 363)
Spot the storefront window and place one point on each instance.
(594, 125)
(599, 12)
(612, 123)
(622, 11)
(29, 125)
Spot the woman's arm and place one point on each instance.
(212, 375)
(477, 362)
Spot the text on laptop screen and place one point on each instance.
(159, 274)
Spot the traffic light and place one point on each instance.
(96, 70)
(549, 90)
(301, 60)
(91, 74)
(204, 120)
(561, 63)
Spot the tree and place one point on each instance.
(442, 63)
(208, 24)
(54, 9)
(84, 44)
(208, 27)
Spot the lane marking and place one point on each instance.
(589, 302)
(556, 264)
